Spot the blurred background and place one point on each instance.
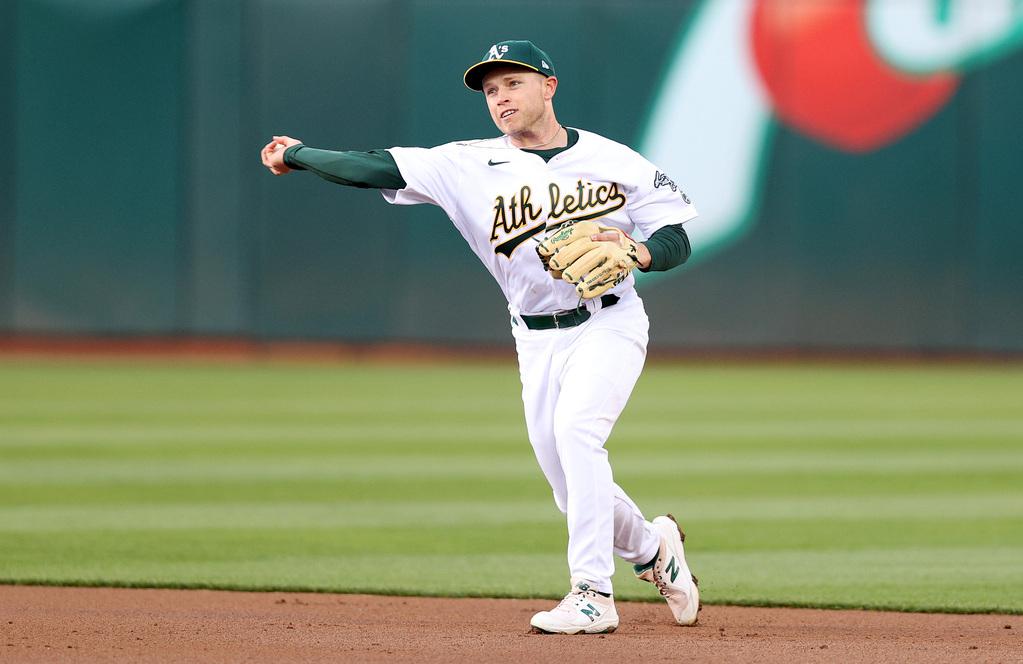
(858, 190)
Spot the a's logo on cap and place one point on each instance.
(497, 51)
(543, 63)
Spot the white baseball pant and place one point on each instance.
(575, 384)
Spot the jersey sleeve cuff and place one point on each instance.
(290, 157)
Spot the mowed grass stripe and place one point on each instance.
(844, 429)
(621, 447)
(331, 478)
(38, 409)
(339, 465)
(60, 518)
(706, 512)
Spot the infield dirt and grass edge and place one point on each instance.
(411, 592)
(895, 487)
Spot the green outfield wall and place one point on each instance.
(133, 200)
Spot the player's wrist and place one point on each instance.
(289, 156)
(643, 257)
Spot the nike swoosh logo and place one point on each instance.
(509, 245)
(491, 162)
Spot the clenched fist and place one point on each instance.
(272, 154)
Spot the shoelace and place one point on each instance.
(662, 585)
(577, 597)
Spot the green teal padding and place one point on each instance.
(7, 167)
(98, 196)
(995, 254)
(138, 205)
(215, 262)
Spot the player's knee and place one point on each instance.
(561, 500)
(574, 436)
(566, 432)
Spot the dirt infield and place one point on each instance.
(43, 624)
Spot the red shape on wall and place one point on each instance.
(826, 80)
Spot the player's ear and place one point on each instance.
(550, 86)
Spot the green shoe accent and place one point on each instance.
(639, 569)
(672, 569)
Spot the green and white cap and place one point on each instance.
(520, 52)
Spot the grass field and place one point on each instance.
(895, 487)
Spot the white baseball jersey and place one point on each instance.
(501, 199)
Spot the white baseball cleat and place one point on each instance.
(670, 573)
(583, 611)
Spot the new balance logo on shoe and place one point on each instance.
(590, 612)
(672, 568)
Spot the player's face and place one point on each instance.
(519, 100)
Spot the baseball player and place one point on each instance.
(549, 210)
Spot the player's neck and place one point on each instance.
(551, 135)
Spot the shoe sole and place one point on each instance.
(696, 582)
(533, 629)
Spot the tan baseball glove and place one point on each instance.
(594, 267)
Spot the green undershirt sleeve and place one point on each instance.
(669, 247)
(375, 169)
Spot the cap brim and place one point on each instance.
(473, 77)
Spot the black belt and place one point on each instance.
(562, 319)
